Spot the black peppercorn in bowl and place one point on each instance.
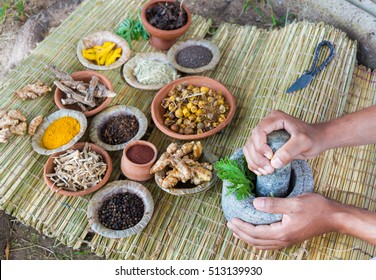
(116, 126)
(120, 209)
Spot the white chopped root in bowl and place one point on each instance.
(149, 72)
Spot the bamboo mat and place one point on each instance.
(257, 67)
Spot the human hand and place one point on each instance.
(305, 142)
(304, 217)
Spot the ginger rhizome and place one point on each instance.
(183, 165)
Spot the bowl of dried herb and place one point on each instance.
(116, 126)
(192, 108)
(86, 91)
(79, 170)
(165, 21)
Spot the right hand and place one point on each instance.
(305, 142)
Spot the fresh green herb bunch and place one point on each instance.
(132, 29)
(236, 172)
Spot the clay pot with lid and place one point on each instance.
(138, 157)
(163, 39)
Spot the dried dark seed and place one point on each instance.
(121, 211)
(119, 129)
(194, 57)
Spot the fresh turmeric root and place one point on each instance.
(32, 91)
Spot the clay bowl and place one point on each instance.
(101, 119)
(85, 76)
(134, 167)
(97, 39)
(188, 188)
(107, 192)
(164, 39)
(37, 139)
(49, 168)
(157, 111)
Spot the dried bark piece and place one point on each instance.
(34, 124)
(32, 91)
(74, 95)
(61, 75)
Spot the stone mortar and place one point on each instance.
(275, 184)
(301, 182)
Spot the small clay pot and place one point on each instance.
(137, 160)
(85, 76)
(164, 39)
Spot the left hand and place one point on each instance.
(304, 217)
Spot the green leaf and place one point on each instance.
(131, 29)
(238, 174)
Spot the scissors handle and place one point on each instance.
(314, 71)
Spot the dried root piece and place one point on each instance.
(78, 170)
(18, 129)
(34, 124)
(32, 91)
(17, 115)
(183, 164)
(86, 96)
(4, 135)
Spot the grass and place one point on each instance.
(12, 8)
(267, 6)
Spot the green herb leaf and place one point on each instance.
(237, 173)
(131, 29)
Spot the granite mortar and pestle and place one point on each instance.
(291, 180)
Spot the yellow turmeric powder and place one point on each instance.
(60, 132)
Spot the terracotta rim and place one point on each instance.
(157, 113)
(167, 34)
(78, 76)
(141, 143)
(48, 168)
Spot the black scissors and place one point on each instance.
(307, 76)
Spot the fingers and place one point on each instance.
(274, 204)
(257, 236)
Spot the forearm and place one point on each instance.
(356, 222)
(354, 129)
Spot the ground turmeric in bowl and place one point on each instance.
(60, 132)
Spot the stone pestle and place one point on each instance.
(277, 183)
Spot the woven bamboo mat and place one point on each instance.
(257, 66)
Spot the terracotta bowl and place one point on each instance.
(157, 111)
(85, 76)
(137, 171)
(107, 192)
(49, 168)
(164, 39)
